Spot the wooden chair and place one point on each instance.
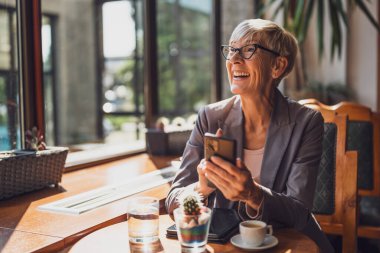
(364, 136)
(335, 201)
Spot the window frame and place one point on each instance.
(31, 70)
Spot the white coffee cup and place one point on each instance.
(253, 232)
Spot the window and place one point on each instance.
(122, 81)
(9, 103)
(184, 37)
(93, 63)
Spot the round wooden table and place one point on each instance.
(114, 239)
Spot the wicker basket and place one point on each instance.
(25, 171)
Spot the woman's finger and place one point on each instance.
(221, 172)
(220, 182)
(224, 186)
(219, 132)
(226, 165)
(240, 164)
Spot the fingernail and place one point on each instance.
(238, 162)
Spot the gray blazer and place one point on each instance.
(290, 163)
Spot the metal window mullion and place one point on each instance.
(177, 13)
(135, 68)
(53, 73)
(150, 63)
(100, 60)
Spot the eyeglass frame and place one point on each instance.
(238, 49)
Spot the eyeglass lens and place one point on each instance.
(246, 52)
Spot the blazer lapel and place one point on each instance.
(232, 125)
(278, 137)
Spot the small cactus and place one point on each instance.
(191, 203)
(191, 206)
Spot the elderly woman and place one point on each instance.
(279, 141)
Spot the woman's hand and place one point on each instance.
(235, 182)
(202, 186)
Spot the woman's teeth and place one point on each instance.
(240, 74)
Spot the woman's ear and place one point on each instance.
(279, 66)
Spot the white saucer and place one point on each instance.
(269, 242)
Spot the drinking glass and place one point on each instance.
(143, 213)
(192, 230)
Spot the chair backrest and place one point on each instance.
(335, 201)
(363, 135)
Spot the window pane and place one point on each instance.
(48, 68)
(184, 51)
(47, 37)
(4, 138)
(125, 127)
(49, 108)
(9, 99)
(14, 27)
(122, 77)
(119, 86)
(5, 45)
(118, 29)
(92, 72)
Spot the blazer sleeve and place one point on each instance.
(187, 175)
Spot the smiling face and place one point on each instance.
(250, 76)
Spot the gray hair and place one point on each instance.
(270, 35)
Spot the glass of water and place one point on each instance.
(143, 213)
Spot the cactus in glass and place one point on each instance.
(192, 219)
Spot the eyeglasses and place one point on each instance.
(245, 52)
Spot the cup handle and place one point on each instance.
(269, 230)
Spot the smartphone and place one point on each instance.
(219, 146)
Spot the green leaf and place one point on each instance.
(277, 10)
(333, 35)
(341, 11)
(306, 22)
(264, 7)
(298, 18)
(286, 14)
(320, 24)
(336, 42)
(364, 8)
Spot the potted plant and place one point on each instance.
(297, 15)
(192, 220)
(30, 169)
